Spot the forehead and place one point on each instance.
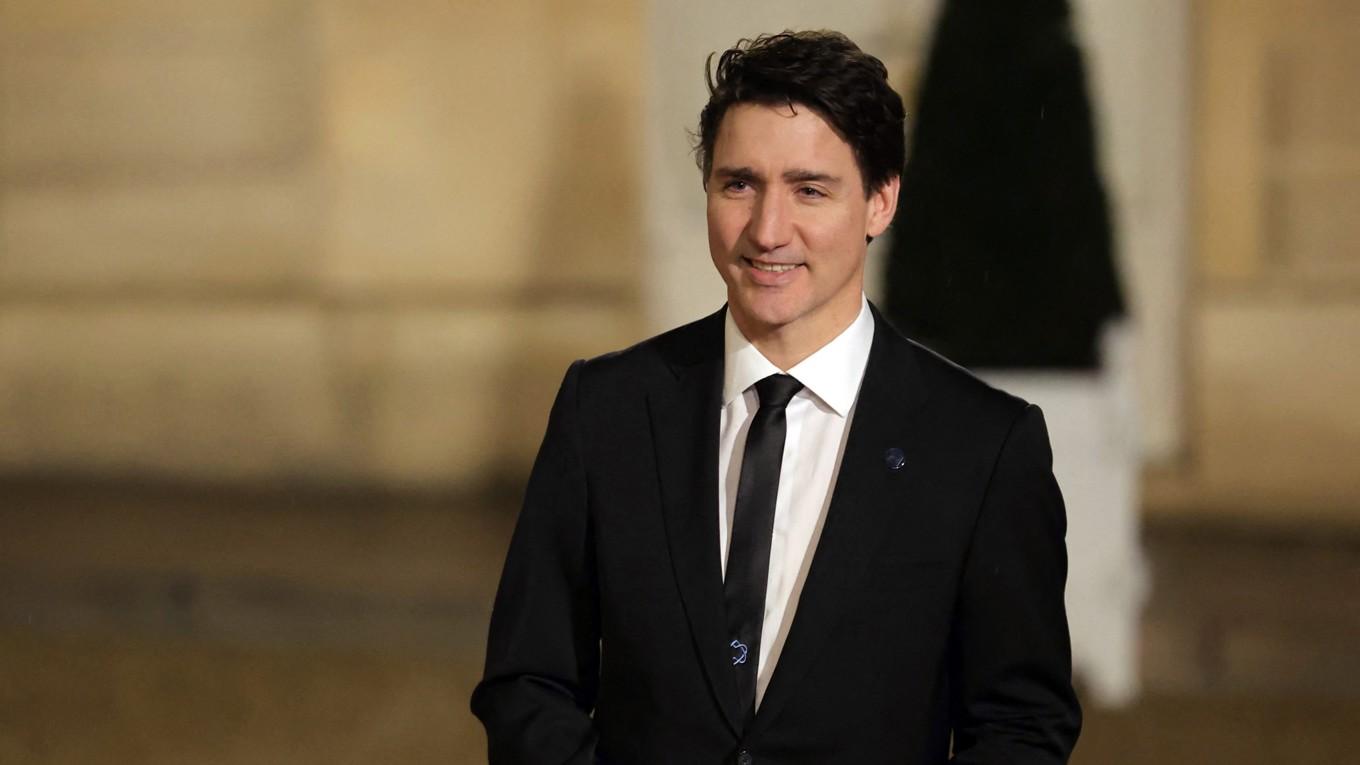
(779, 135)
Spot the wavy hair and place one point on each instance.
(823, 71)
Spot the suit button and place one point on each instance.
(744, 758)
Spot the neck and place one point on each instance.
(785, 345)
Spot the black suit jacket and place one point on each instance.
(933, 605)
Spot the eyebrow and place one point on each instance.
(796, 175)
(738, 173)
(811, 176)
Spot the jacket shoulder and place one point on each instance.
(657, 358)
(954, 392)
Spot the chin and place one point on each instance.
(769, 313)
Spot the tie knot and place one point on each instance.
(777, 391)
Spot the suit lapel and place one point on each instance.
(866, 496)
(684, 419)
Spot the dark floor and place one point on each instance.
(192, 626)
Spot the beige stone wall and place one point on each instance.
(284, 240)
(1274, 321)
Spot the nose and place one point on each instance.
(770, 226)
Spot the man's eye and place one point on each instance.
(736, 185)
(809, 191)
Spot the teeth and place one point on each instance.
(774, 268)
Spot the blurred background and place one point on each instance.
(286, 288)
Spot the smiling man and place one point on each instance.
(785, 533)
(788, 219)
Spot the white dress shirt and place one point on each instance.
(818, 420)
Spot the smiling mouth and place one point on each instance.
(774, 268)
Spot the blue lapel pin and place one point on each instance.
(740, 657)
(895, 458)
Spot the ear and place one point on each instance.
(882, 206)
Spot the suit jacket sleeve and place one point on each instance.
(542, 662)
(1011, 666)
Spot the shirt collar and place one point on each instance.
(833, 373)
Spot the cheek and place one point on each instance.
(717, 244)
(719, 247)
(834, 238)
(827, 242)
(724, 229)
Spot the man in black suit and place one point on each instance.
(784, 533)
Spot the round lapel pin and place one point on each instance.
(895, 458)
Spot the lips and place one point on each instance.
(770, 267)
(770, 274)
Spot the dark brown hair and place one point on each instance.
(823, 71)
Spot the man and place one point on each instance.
(784, 533)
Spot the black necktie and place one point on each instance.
(748, 555)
